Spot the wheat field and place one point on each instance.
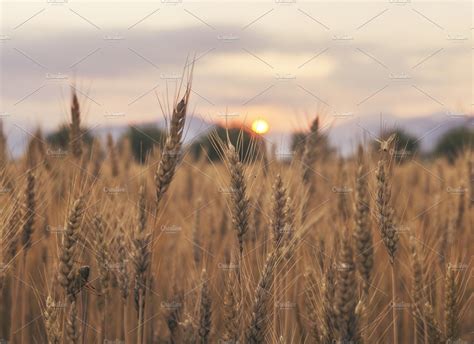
(97, 248)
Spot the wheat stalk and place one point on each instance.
(232, 308)
(173, 316)
(451, 311)
(278, 220)
(66, 265)
(141, 261)
(75, 140)
(385, 213)
(238, 192)
(328, 316)
(258, 326)
(51, 321)
(311, 305)
(434, 335)
(342, 194)
(205, 310)
(197, 249)
(103, 262)
(460, 211)
(10, 235)
(362, 232)
(102, 254)
(29, 209)
(257, 217)
(385, 217)
(172, 149)
(345, 295)
(308, 160)
(72, 328)
(123, 273)
(189, 331)
(470, 175)
(417, 289)
(309, 154)
(3, 146)
(114, 167)
(123, 278)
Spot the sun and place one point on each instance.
(260, 126)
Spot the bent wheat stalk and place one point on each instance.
(385, 217)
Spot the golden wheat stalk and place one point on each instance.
(238, 192)
(51, 321)
(75, 136)
(172, 149)
(103, 262)
(141, 261)
(67, 259)
(451, 311)
(345, 295)
(362, 232)
(205, 311)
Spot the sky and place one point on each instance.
(282, 60)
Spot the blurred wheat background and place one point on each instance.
(97, 246)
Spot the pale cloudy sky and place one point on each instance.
(279, 60)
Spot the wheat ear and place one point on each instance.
(232, 310)
(385, 213)
(345, 295)
(172, 149)
(451, 311)
(51, 321)
(103, 260)
(278, 220)
(123, 273)
(362, 232)
(114, 166)
(66, 276)
(196, 229)
(72, 328)
(434, 335)
(205, 310)
(29, 208)
(258, 326)
(238, 191)
(311, 303)
(174, 314)
(75, 140)
(309, 154)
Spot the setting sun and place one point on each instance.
(260, 126)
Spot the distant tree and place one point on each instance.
(249, 144)
(453, 142)
(405, 144)
(143, 139)
(60, 137)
